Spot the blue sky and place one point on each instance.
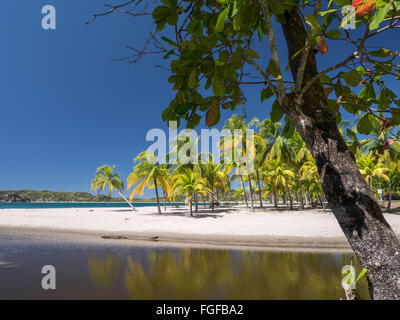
(67, 108)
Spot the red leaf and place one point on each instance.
(322, 47)
(364, 8)
(213, 114)
(356, 3)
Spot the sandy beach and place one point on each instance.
(234, 226)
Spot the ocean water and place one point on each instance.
(64, 205)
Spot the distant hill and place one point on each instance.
(63, 196)
(50, 196)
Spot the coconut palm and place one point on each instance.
(236, 175)
(389, 161)
(277, 176)
(311, 180)
(301, 154)
(371, 168)
(237, 122)
(148, 173)
(189, 183)
(105, 177)
(215, 175)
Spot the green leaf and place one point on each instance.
(266, 94)
(351, 134)
(276, 112)
(221, 20)
(313, 22)
(169, 41)
(396, 146)
(252, 54)
(218, 87)
(193, 79)
(343, 2)
(381, 53)
(363, 271)
(288, 130)
(273, 70)
(333, 34)
(379, 16)
(368, 92)
(364, 125)
(352, 78)
(386, 97)
(194, 121)
(324, 79)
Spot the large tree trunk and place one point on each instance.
(158, 198)
(349, 196)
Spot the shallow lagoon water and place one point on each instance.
(109, 270)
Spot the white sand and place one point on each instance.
(235, 224)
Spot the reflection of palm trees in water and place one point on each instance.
(225, 274)
(104, 272)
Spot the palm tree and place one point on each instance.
(148, 173)
(105, 176)
(189, 183)
(277, 177)
(371, 168)
(389, 161)
(310, 178)
(301, 154)
(237, 122)
(215, 175)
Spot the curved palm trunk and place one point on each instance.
(165, 201)
(275, 200)
(301, 194)
(196, 202)
(259, 189)
(127, 201)
(158, 198)
(244, 192)
(352, 201)
(204, 202)
(290, 198)
(390, 197)
(191, 207)
(251, 193)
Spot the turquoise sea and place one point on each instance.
(63, 205)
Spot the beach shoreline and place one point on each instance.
(226, 227)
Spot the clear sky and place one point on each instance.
(67, 108)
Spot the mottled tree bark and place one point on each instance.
(351, 200)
